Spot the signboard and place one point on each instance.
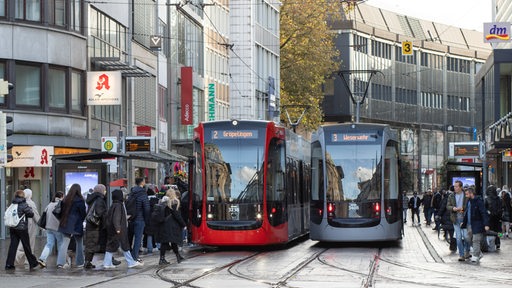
(407, 48)
(186, 96)
(464, 149)
(144, 131)
(109, 144)
(496, 32)
(139, 144)
(211, 102)
(104, 88)
(31, 156)
(155, 42)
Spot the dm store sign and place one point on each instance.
(496, 32)
(104, 88)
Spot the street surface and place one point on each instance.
(419, 260)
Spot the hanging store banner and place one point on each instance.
(186, 96)
(104, 88)
(31, 156)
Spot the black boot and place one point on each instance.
(179, 258)
(163, 261)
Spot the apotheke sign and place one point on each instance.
(104, 88)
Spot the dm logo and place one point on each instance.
(496, 32)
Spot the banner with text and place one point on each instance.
(186, 96)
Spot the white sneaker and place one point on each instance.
(475, 259)
(109, 266)
(136, 264)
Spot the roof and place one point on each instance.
(417, 29)
(153, 157)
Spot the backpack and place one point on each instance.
(131, 206)
(11, 217)
(158, 214)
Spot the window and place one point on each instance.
(76, 91)
(57, 88)
(2, 8)
(76, 14)
(2, 75)
(27, 10)
(107, 36)
(28, 85)
(57, 12)
(360, 44)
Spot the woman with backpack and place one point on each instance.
(169, 230)
(33, 228)
(20, 233)
(95, 234)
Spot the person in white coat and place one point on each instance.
(33, 228)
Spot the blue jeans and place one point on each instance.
(136, 229)
(107, 261)
(462, 239)
(63, 250)
(149, 239)
(52, 238)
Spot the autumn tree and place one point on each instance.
(308, 55)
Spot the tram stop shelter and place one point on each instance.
(88, 167)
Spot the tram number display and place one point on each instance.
(234, 134)
(354, 137)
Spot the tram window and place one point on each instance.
(317, 175)
(391, 172)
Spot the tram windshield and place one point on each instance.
(234, 175)
(354, 179)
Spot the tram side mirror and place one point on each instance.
(340, 172)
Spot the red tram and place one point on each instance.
(251, 182)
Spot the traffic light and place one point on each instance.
(5, 146)
(5, 87)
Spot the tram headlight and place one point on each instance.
(258, 216)
(209, 216)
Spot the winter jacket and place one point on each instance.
(52, 223)
(494, 209)
(507, 207)
(453, 203)
(444, 214)
(418, 202)
(96, 236)
(170, 230)
(74, 224)
(142, 204)
(23, 209)
(151, 228)
(479, 216)
(116, 221)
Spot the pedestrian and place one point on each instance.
(141, 217)
(456, 204)
(435, 206)
(405, 206)
(117, 232)
(445, 221)
(20, 233)
(414, 204)
(476, 220)
(53, 236)
(170, 230)
(149, 230)
(71, 226)
(95, 234)
(33, 228)
(507, 213)
(494, 209)
(427, 206)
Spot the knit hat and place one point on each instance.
(117, 195)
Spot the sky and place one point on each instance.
(468, 14)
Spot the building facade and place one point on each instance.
(416, 75)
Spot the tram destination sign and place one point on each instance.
(234, 134)
(354, 137)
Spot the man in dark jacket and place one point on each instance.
(476, 220)
(142, 216)
(20, 233)
(414, 204)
